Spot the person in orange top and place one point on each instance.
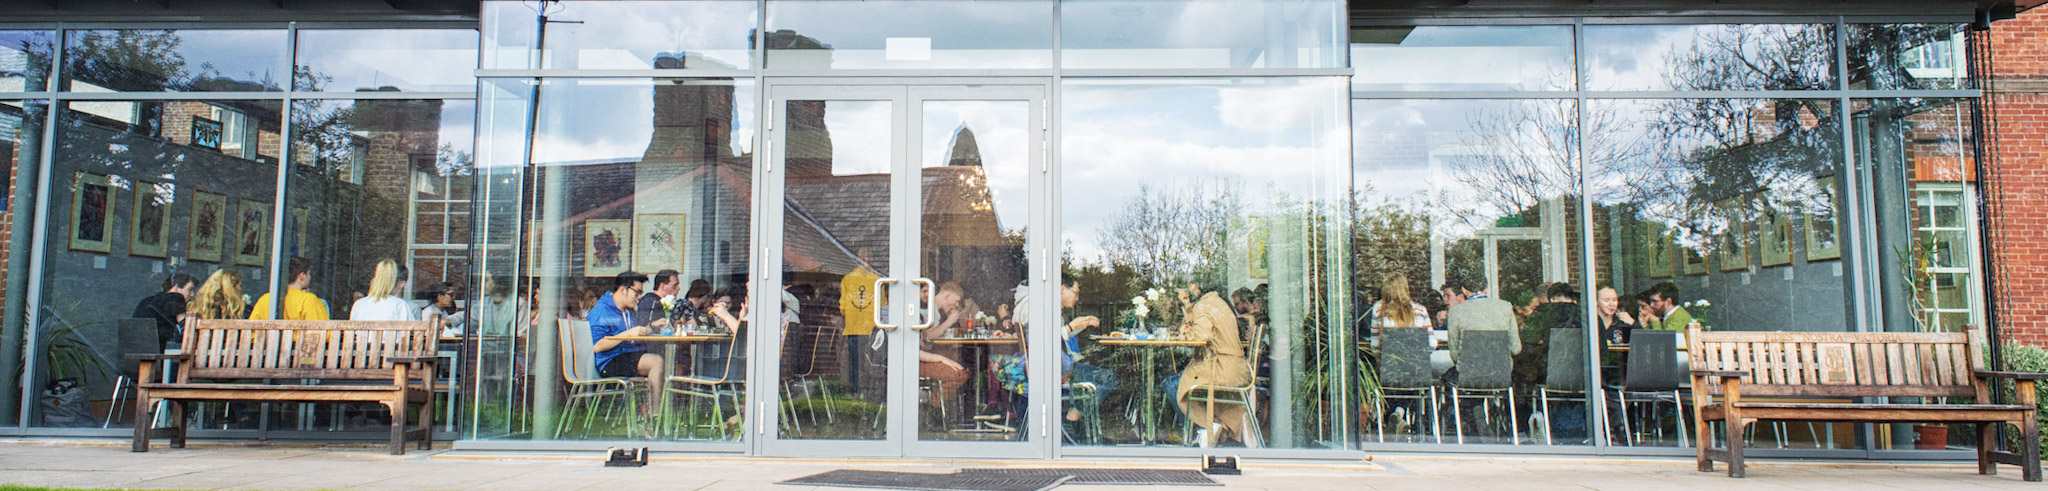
(299, 304)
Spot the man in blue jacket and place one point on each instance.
(613, 316)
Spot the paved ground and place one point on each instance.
(101, 463)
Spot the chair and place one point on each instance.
(1485, 372)
(136, 336)
(1651, 376)
(821, 342)
(1086, 398)
(715, 378)
(586, 390)
(1565, 375)
(1404, 367)
(1241, 395)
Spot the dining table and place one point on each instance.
(1149, 351)
(983, 347)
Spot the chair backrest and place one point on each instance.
(579, 362)
(136, 336)
(1837, 364)
(1404, 357)
(288, 349)
(1652, 361)
(1255, 335)
(1485, 360)
(1567, 360)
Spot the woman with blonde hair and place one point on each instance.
(1394, 292)
(383, 302)
(221, 297)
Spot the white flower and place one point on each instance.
(1138, 301)
(1703, 303)
(1143, 311)
(1152, 294)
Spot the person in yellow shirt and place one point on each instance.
(299, 304)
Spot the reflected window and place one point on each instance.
(1710, 57)
(626, 35)
(1202, 34)
(25, 60)
(806, 34)
(183, 60)
(1462, 58)
(1909, 56)
(410, 60)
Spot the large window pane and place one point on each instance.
(182, 60)
(21, 150)
(1710, 57)
(24, 60)
(410, 60)
(1462, 58)
(627, 175)
(1909, 56)
(1725, 212)
(1202, 34)
(1233, 186)
(141, 191)
(806, 34)
(702, 34)
(1466, 208)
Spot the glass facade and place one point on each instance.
(788, 227)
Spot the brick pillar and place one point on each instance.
(2018, 192)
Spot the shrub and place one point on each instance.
(2025, 358)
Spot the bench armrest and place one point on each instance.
(157, 356)
(1720, 373)
(2012, 375)
(413, 359)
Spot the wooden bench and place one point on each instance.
(384, 362)
(1728, 366)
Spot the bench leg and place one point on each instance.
(1705, 441)
(427, 421)
(1737, 428)
(1987, 441)
(178, 424)
(398, 418)
(143, 421)
(2030, 450)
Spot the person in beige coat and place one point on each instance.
(1221, 362)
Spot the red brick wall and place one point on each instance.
(2018, 187)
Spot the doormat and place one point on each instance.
(1003, 479)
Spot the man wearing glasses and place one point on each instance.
(622, 359)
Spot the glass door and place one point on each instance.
(907, 265)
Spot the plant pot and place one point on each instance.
(1930, 437)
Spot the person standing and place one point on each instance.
(167, 308)
(299, 304)
(611, 316)
(384, 301)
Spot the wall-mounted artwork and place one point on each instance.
(1774, 238)
(1657, 245)
(1823, 228)
(1695, 261)
(149, 227)
(295, 226)
(209, 226)
(1731, 248)
(92, 219)
(1256, 243)
(607, 247)
(658, 242)
(252, 233)
(206, 133)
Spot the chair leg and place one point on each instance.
(1544, 396)
(1514, 420)
(1678, 403)
(1436, 412)
(1457, 415)
(120, 385)
(1628, 430)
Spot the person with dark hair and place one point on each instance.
(1221, 362)
(613, 316)
(1665, 312)
(441, 308)
(1455, 290)
(655, 309)
(299, 304)
(1560, 310)
(1475, 310)
(167, 308)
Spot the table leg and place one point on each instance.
(1151, 391)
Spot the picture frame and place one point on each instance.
(206, 133)
(252, 232)
(658, 241)
(1695, 262)
(1774, 239)
(1731, 248)
(607, 247)
(209, 227)
(1822, 224)
(149, 224)
(92, 217)
(1657, 245)
(295, 232)
(1257, 241)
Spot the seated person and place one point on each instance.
(1220, 361)
(609, 316)
(948, 372)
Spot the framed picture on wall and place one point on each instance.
(1257, 240)
(295, 227)
(209, 227)
(658, 242)
(607, 247)
(92, 218)
(1695, 260)
(1774, 238)
(1657, 245)
(252, 233)
(149, 227)
(1731, 248)
(1823, 227)
(206, 133)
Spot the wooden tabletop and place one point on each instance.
(1147, 342)
(1624, 347)
(673, 339)
(990, 341)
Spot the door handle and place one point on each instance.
(931, 304)
(877, 311)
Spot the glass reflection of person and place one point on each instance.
(612, 316)
(1220, 362)
(220, 297)
(383, 302)
(299, 304)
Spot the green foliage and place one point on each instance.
(2032, 359)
